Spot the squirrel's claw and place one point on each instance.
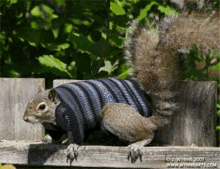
(72, 152)
(134, 154)
(135, 148)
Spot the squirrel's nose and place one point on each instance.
(25, 118)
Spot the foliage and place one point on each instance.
(212, 62)
(69, 39)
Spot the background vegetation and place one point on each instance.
(81, 39)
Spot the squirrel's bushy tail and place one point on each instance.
(156, 67)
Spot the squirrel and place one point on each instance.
(120, 106)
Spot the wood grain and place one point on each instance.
(14, 96)
(26, 153)
(58, 82)
(194, 122)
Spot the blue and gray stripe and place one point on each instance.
(82, 102)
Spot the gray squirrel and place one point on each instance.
(120, 106)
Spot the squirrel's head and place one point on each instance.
(41, 108)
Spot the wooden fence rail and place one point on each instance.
(192, 124)
(38, 154)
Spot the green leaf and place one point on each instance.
(36, 11)
(197, 74)
(82, 44)
(216, 4)
(72, 66)
(56, 24)
(72, 69)
(108, 67)
(43, 11)
(49, 11)
(125, 74)
(29, 34)
(13, 73)
(99, 47)
(116, 39)
(13, 1)
(218, 113)
(168, 11)
(216, 67)
(61, 2)
(34, 25)
(143, 13)
(56, 46)
(68, 28)
(55, 65)
(117, 9)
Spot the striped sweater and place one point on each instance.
(78, 112)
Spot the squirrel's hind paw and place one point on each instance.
(72, 152)
(135, 149)
(135, 152)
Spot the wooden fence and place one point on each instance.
(193, 124)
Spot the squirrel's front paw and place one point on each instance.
(135, 152)
(48, 139)
(72, 152)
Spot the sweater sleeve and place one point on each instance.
(67, 120)
(71, 132)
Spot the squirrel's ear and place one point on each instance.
(53, 96)
(40, 88)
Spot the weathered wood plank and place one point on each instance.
(14, 95)
(58, 82)
(25, 153)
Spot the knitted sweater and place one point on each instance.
(81, 102)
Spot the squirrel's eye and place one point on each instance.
(42, 107)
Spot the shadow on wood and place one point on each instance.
(39, 154)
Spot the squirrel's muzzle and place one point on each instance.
(25, 118)
(30, 118)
